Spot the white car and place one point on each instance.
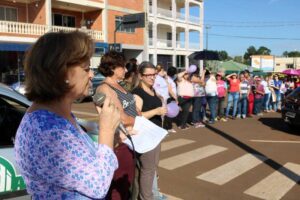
(13, 106)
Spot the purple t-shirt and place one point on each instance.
(60, 161)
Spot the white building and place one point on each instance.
(171, 24)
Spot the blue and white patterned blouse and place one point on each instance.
(59, 161)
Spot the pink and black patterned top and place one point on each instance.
(60, 161)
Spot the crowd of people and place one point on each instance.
(58, 160)
(211, 97)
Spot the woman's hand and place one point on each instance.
(130, 131)
(109, 120)
(161, 110)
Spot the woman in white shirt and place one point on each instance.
(267, 95)
(211, 90)
(185, 96)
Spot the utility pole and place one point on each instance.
(207, 27)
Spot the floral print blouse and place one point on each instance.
(59, 161)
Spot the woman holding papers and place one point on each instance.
(151, 107)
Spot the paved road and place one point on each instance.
(254, 158)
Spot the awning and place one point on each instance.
(14, 46)
(101, 44)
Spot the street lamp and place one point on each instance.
(207, 27)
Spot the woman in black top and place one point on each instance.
(151, 108)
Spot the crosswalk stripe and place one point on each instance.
(190, 157)
(232, 169)
(277, 184)
(169, 197)
(174, 144)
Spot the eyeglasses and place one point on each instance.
(149, 75)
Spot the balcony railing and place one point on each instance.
(164, 12)
(164, 43)
(151, 9)
(38, 29)
(180, 44)
(194, 19)
(180, 16)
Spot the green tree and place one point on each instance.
(285, 54)
(263, 51)
(238, 59)
(247, 56)
(223, 55)
(292, 54)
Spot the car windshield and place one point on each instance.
(295, 93)
(11, 113)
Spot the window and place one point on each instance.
(11, 113)
(118, 21)
(8, 14)
(99, 51)
(63, 20)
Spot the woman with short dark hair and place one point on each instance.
(57, 159)
(112, 66)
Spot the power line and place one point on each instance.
(251, 24)
(254, 22)
(254, 37)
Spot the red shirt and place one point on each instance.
(234, 85)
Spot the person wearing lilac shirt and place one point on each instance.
(56, 158)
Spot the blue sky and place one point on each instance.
(279, 19)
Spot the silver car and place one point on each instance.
(13, 106)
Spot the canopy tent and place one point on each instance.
(234, 67)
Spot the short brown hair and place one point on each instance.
(110, 61)
(47, 62)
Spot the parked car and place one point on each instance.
(13, 106)
(291, 108)
(19, 87)
(98, 78)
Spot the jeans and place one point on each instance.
(212, 104)
(258, 105)
(203, 108)
(266, 102)
(277, 104)
(197, 103)
(242, 105)
(233, 98)
(221, 107)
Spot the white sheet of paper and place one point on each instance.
(148, 136)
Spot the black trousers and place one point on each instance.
(185, 105)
